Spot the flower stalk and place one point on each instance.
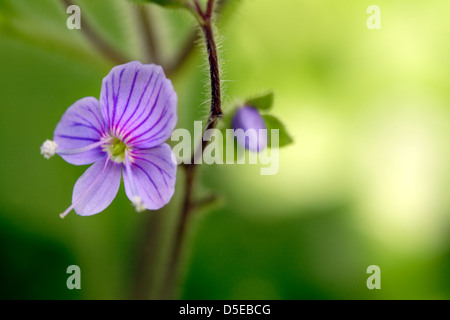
(205, 18)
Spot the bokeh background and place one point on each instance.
(367, 181)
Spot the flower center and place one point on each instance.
(116, 149)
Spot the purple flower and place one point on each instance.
(123, 132)
(249, 120)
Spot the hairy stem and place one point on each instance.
(189, 45)
(216, 109)
(172, 274)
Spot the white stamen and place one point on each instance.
(135, 199)
(64, 214)
(83, 149)
(48, 148)
(138, 203)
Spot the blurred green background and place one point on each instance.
(367, 181)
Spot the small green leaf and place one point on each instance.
(164, 3)
(262, 102)
(273, 123)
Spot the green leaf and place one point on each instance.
(165, 3)
(262, 102)
(273, 123)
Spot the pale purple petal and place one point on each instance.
(80, 126)
(154, 175)
(252, 123)
(97, 187)
(139, 104)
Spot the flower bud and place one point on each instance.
(253, 130)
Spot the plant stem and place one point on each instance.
(189, 45)
(216, 110)
(172, 275)
(149, 254)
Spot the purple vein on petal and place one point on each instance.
(145, 109)
(136, 73)
(79, 124)
(115, 97)
(161, 171)
(130, 175)
(162, 114)
(165, 160)
(155, 136)
(87, 121)
(142, 152)
(151, 180)
(128, 130)
(75, 138)
(100, 123)
(139, 103)
(152, 163)
(106, 102)
(162, 175)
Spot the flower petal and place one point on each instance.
(139, 104)
(97, 187)
(80, 126)
(250, 121)
(154, 175)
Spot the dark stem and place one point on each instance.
(97, 41)
(198, 8)
(216, 110)
(209, 8)
(172, 274)
(148, 256)
(189, 46)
